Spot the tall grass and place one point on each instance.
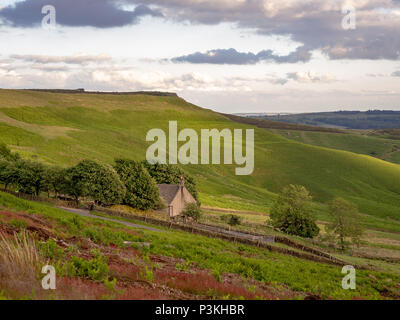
(20, 264)
(19, 255)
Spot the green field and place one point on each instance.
(66, 128)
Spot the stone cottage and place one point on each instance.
(175, 196)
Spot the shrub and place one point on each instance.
(51, 250)
(232, 220)
(192, 210)
(291, 212)
(146, 274)
(95, 269)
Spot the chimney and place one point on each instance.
(182, 182)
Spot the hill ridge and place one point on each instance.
(131, 93)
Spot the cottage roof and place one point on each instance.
(168, 191)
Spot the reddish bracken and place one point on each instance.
(203, 283)
(137, 293)
(83, 289)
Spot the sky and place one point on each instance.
(231, 56)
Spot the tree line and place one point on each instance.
(128, 182)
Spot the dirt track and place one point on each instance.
(86, 213)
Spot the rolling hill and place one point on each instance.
(358, 142)
(373, 119)
(65, 128)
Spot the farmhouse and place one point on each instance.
(175, 196)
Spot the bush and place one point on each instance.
(231, 219)
(141, 190)
(95, 269)
(51, 250)
(291, 212)
(234, 220)
(192, 210)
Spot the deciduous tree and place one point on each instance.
(141, 190)
(291, 212)
(345, 223)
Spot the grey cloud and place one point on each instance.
(307, 77)
(231, 56)
(396, 73)
(281, 81)
(75, 13)
(317, 24)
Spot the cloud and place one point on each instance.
(396, 74)
(310, 77)
(317, 24)
(79, 59)
(75, 13)
(231, 56)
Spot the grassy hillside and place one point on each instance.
(358, 142)
(65, 128)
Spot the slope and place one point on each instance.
(65, 128)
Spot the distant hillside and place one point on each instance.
(374, 119)
(65, 128)
(268, 124)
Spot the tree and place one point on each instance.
(345, 223)
(141, 190)
(29, 176)
(8, 174)
(291, 212)
(91, 179)
(169, 174)
(76, 184)
(55, 179)
(192, 210)
(107, 187)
